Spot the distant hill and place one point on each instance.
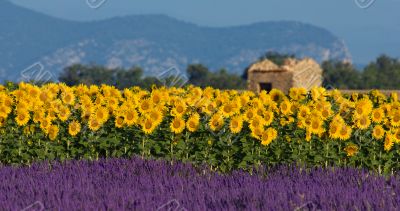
(153, 42)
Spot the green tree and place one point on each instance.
(384, 73)
(199, 75)
(340, 75)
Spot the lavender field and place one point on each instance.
(120, 184)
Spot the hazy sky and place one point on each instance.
(368, 32)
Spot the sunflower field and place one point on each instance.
(225, 129)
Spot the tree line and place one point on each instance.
(383, 73)
(196, 74)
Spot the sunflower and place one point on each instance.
(86, 113)
(45, 96)
(396, 136)
(351, 150)
(209, 108)
(276, 95)
(257, 121)
(100, 100)
(130, 117)
(395, 118)
(119, 121)
(22, 105)
(285, 107)
(326, 113)
(144, 106)
(33, 91)
(388, 142)
(112, 103)
(266, 138)
(257, 132)
(236, 124)
(305, 123)
(64, 113)
(179, 109)
(303, 112)
(377, 115)
(148, 126)
(68, 97)
(8, 101)
(345, 132)
(22, 117)
(249, 114)
(4, 111)
(244, 99)
(53, 132)
(192, 123)
(177, 125)
(216, 122)
(74, 128)
(308, 135)
(101, 114)
(362, 122)
(334, 130)
(316, 126)
(156, 97)
(363, 107)
(268, 117)
(156, 115)
(378, 132)
(227, 109)
(297, 94)
(45, 124)
(256, 103)
(94, 124)
(318, 93)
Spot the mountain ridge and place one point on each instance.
(154, 42)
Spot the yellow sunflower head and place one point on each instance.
(236, 124)
(389, 142)
(268, 117)
(377, 115)
(53, 132)
(177, 125)
(148, 126)
(351, 150)
(362, 122)
(179, 109)
(64, 113)
(285, 107)
(395, 118)
(22, 117)
(130, 117)
(363, 107)
(378, 132)
(216, 122)
(74, 128)
(144, 106)
(193, 122)
(334, 130)
(94, 124)
(345, 132)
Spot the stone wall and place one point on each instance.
(307, 74)
(282, 80)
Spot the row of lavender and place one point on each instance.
(121, 184)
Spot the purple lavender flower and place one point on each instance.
(120, 184)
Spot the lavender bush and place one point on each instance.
(121, 184)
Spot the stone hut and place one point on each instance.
(265, 75)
